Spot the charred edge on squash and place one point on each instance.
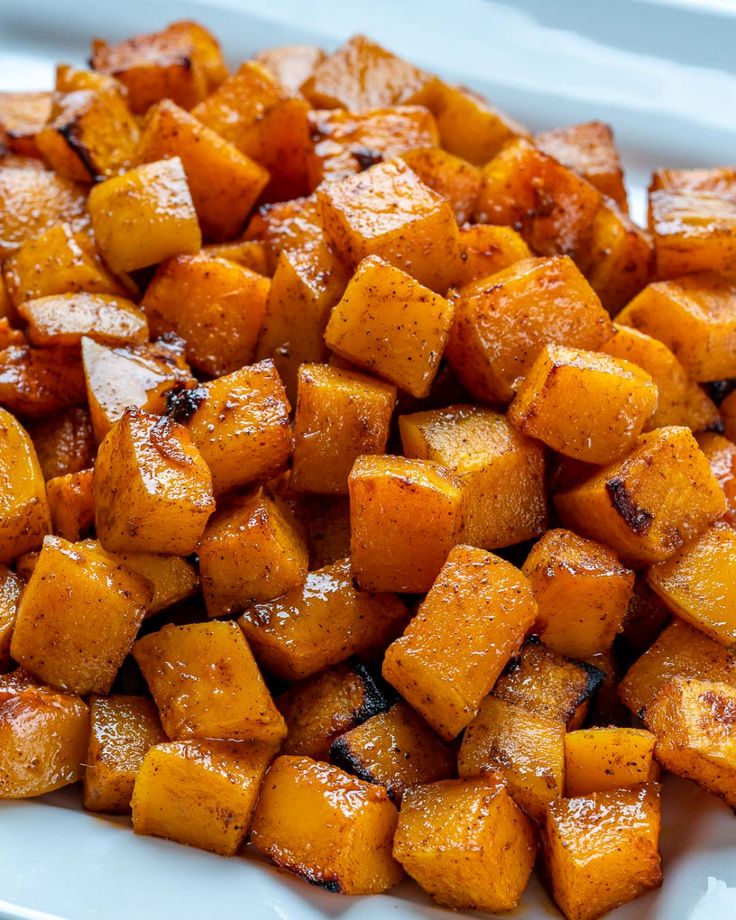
(181, 404)
(595, 679)
(341, 755)
(69, 133)
(375, 699)
(639, 520)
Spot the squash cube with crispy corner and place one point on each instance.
(200, 793)
(331, 829)
(144, 216)
(552, 207)
(721, 454)
(693, 231)
(602, 849)
(648, 504)
(502, 321)
(528, 750)
(64, 443)
(63, 319)
(22, 116)
(216, 306)
(122, 729)
(486, 249)
(71, 501)
(339, 416)
(321, 623)
(471, 623)
(78, 617)
(695, 725)
(453, 178)
(291, 65)
(466, 842)
(322, 707)
(405, 517)
(698, 583)
(11, 588)
(153, 490)
(603, 759)
(387, 211)
(206, 684)
(252, 551)
(43, 741)
(182, 62)
(582, 593)
(24, 511)
(240, 424)
(486, 453)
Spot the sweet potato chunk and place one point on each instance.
(603, 759)
(321, 623)
(78, 617)
(602, 849)
(63, 319)
(206, 684)
(453, 178)
(11, 588)
(37, 382)
(721, 454)
(291, 65)
(466, 842)
(405, 517)
(502, 321)
(200, 793)
(473, 620)
(330, 828)
(71, 501)
(485, 250)
(22, 116)
(122, 730)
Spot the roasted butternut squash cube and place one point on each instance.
(528, 750)
(321, 623)
(206, 684)
(216, 306)
(240, 424)
(405, 517)
(603, 759)
(122, 730)
(552, 207)
(453, 178)
(647, 505)
(43, 741)
(24, 511)
(38, 382)
(291, 65)
(584, 404)
(696, 738)
(387, 211)
(485, 250)
(473, 620)
(64, 443)
(502, 321)
(486, 453)
(69, 79)
(250, 254)
(466, 842)
(63, 319)
(582, 593)
(11, 588)
(15, 682)
(287, 225)
(182, 62)
(200, 793)
(322, 707)
(145, 216)
(71, 500)
(602, 849)
(721, 454)
(390, 324)
(339, 416)
(331, 829)
(78, 617)
(22, 116)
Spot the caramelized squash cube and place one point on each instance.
(291, 65)
(453, 178)
(71, 500)
(288, 225)
(22, 116)
(721, 454)
(24, 511)
(64, 319)
(250, 254)
(718, 180)
(64, 443)
(38, 382)
(604, 759)
(11, 588)
(485, 250)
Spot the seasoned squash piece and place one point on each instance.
(331, 829)
(250, 254)
(718, 180)
(528, 750)
(487, 454)
(24, 511)
(693, 231)
(239, 423)
(182, 62)
(721, 454)
(64, 443)
(321, 623)
(37, 382)
(473, 620)
(43, 741)
(390, 324)
(63, 319)
(693, 721)
(320, 708)
(253, 550)
(485, 250)
(339, 416)
(291, 65)
(647, 505)
(551, 206)
(200, 793)
(502, 321)
(287, 225)
(153, 490)
(388, 211)
(78, 617)
(122, 730)
(405, 517)
(22, 116)
(144, 216)
(11, 588)
(215, 305)
(603, 759)
(453, 178)
(206, 684)
(69, 79)
(71, 501)
(602, 850)
(466, 842)
(582, 592)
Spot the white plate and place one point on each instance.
(664, 74)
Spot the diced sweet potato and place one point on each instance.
(485, 250)
(603, 759)
(453, 178)
(64, 443)
(22, 116)
(291, 65)
(11, 588)
(71, 500)
(721, 454)
(37, 382)
(63, 319)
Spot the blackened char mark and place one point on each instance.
(182, 404)
(638, 519)
(366, 156)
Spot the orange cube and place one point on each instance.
(718, 180)
(453, 178)
(603, 759)
(485, 250)
(63, 319)
(71, 501)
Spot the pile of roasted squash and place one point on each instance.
(368, 476)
